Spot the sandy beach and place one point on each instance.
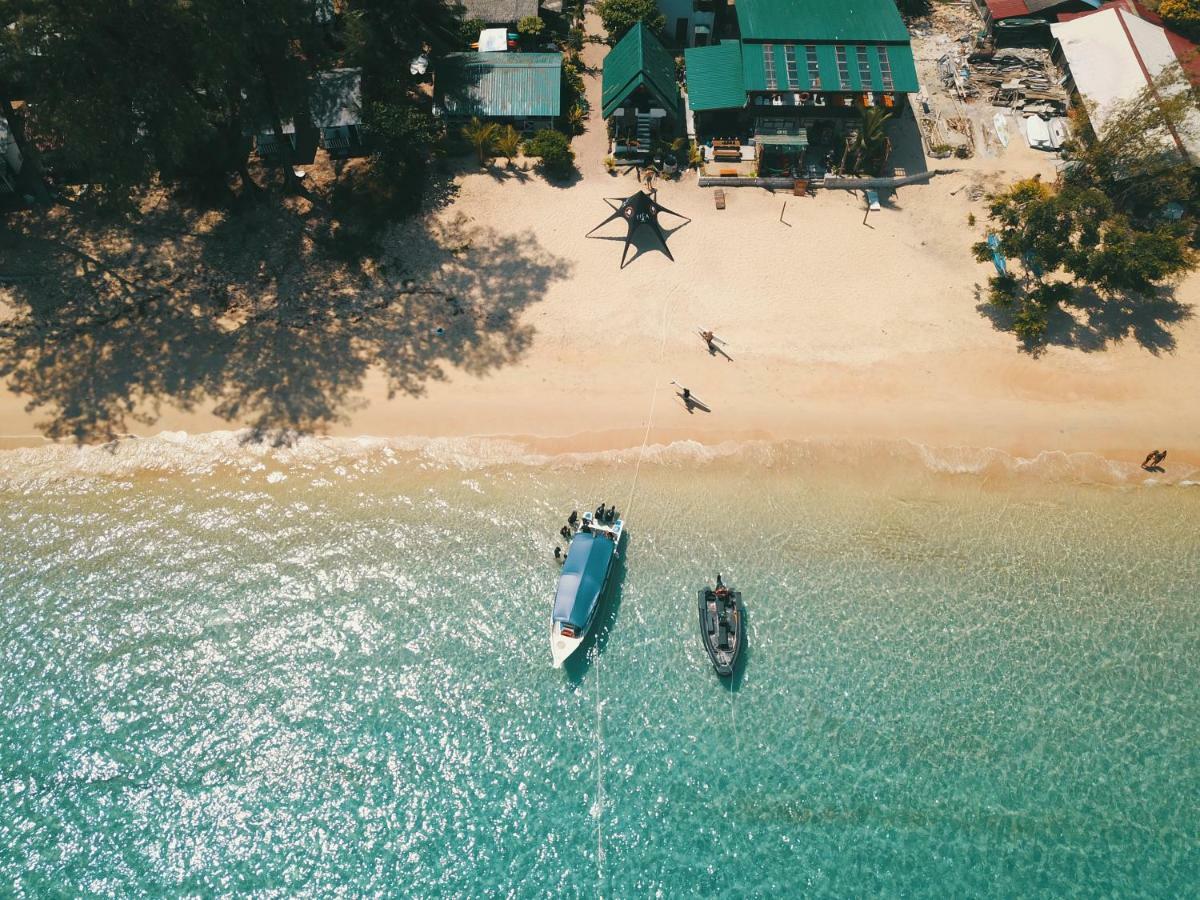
(835, 327)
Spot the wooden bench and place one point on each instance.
(719, 198)
(728, 173)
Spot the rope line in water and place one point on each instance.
(637, 468)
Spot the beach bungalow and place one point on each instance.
(781, 95)
(640, 96)
(520, 89)
(335, 103)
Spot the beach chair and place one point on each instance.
(719, 198)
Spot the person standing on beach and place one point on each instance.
(708, 339)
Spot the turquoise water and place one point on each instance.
(328, 673)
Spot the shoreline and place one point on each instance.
(872, 460)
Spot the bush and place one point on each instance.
(529, 28)
(557, 159)
(469, 30)
(1030, 322)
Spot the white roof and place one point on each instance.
(493, 40)
(1113, 56)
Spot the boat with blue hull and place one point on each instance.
(585, 575)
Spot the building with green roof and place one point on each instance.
(640, 96)
(807, 53)
(796, 63)
(524, 89)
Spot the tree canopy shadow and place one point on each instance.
(1094, 322)
(253, 314)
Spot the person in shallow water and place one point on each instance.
(558, 557)
(573, 519)
(565, 532)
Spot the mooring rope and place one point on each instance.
(599, 805)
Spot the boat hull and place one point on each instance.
(581, 586)
(722, 628)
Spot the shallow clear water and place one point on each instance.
(330, 673)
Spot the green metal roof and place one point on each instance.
(714, 76)
(639, 59)
(501, 84)
(848, 21)
(754, 70)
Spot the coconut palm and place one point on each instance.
(482, 136)
(508, 143)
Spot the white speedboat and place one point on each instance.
(584, 576)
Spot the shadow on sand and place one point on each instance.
(578, 664)
(1094, 322)
(254, 315)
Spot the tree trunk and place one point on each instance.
(31, 179)
(290, 182)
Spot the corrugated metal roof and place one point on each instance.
(899, 56)
(639, 59)
(714, 76)
(508, 85)
(857, 21)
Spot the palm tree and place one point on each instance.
(872, 144)
(508, 143)
(481, 136)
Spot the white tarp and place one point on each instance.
(1110, 53)
(493, 40)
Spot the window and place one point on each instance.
(681, 27)
(885, 68)
(793, 70)
(843, 66)
(814, 70)
(769, 66)
(864, 68)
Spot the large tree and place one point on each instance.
(107, 85)
(1119, 224)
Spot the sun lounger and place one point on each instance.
(719, 198)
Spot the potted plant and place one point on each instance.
(610, 164)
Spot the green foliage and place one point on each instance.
(1119, 223)
(481, 136)
(530, 27)
(575, 39)
(468, 31)
(1003, 289)
(1030, 322)
(508, 143)
(120, 94)
(401, 135)
(553, 149)
(619, 16)
(871, 144)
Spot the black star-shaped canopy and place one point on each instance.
(639, 210)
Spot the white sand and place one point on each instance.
(836, 329)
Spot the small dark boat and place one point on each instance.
(721, 626)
